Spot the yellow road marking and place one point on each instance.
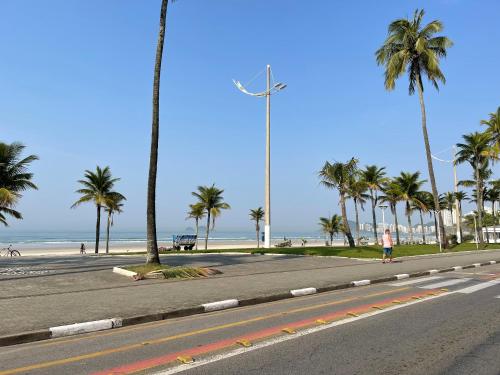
(244, 343)
(182, 335)
(288, 330)
(185, 359)
(352, 314)
(321, 321)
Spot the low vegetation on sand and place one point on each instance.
(158, 271)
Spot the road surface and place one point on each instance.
(440, 324)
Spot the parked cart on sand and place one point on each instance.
(186, 241)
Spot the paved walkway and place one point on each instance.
(39, 293)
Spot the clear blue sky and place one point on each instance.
(75, 87)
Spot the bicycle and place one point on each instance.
(10, 252)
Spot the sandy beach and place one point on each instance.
(130, 247)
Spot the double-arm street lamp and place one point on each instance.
(267, 94)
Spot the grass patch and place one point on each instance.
(357, 252)
(167, 272)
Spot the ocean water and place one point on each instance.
(63, 239)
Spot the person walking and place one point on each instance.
(82, 249)
(387, 244)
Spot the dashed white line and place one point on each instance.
(475, 288)
(417, 281)
(446, 283)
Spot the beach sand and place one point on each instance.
(48, 250)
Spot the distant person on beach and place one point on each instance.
(82, 249)
(387, 244)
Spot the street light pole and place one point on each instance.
(267, 210)
(457, 213)
(383, 207)
(270, 89)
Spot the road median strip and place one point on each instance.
(112, 323)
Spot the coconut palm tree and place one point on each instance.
(196, 212)
(421, 204)
(114, 205)
(357, 192)
(374, 177)
(493, 131)
(410, 184)
(392, 195)
(460, 196)
(210, 198)
(338, 176)
(97, 188)
(493, 196)
(257, 214)
(152, 243)
(449, 198)
(473, 152)
(14, 178)
(331, 226)
(414, 48)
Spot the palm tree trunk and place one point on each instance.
(408, 215)
(107, 232)
(196, 244)
(331, 239)
(374, 217)
(347, 229)
(358, 240)
(460, 218)
(479, 205)
(429, 162)
(208, 230)
(152, 244)
(422, 225)
(257, 229)
(494, 221)
(398, 242)
(97, 229)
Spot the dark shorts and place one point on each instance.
(388, 250)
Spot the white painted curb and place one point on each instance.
(402, 276)
(77, 328)
(476, 264)
(220, 305)
(361, 282)
(124, 272)
(457, 268)
(493, 262)
(303, 292)
(431, 272)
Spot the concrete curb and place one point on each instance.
(105, 324)
(124, 272)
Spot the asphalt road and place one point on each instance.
(449, 324)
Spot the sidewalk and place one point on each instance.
(73, 292)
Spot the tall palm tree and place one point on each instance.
(331, 226)
(374, 178)
(338, 176)
(493, 131)
(392, 195)
(460, 196)
(357, 192)
(410, 184)
(421, 205)
(14, 178)
(210, 197)
(473, 151)
(152, 243)
(413, 48)
(257, 214)
(449, 198)
(493, 195)
(196, 212)
(114, 205)
(97, 188)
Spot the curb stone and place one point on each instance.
(105, 324)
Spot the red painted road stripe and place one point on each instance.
(265, 333)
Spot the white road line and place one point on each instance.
(280, 339)
(446, 283)
(475, 288)
(417, 280)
